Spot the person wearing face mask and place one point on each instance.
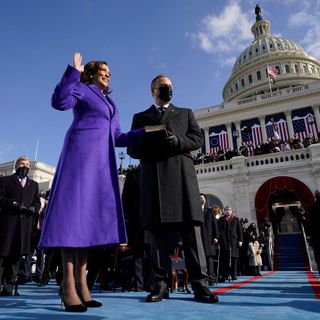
(84, 208)
(314, 227)
(19, 206)
(230, 239)
(170, 192)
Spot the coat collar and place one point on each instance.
(107, 100)
(153, 114)
(15, 180)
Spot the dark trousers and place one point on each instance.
(162, 245)
(211, 269)
(8, 271)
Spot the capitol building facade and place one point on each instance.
(273, 92)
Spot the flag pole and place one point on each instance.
(36, 153)
(269, 78)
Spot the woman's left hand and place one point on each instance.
(77, 59)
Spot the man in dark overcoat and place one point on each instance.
(169, 190)
(19, 205)
(230, 240)
(314, 227)
(210, 237)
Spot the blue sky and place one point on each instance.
(194, 41)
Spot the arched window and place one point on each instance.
(213, 200)
(236, 86)
(296, 68)
(242, 83)
(287, 69)
(304, 68)
(278, 68)
(258, 75)
(250, 78)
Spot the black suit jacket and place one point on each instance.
(15, 228)
(209, 232)
(169, 186)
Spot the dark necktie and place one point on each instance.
(162, 110)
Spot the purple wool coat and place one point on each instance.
(84, 208)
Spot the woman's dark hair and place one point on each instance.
(90, 69)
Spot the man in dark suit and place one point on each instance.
(19, 205)
(210, 237)
(169, 190)
(230, 239)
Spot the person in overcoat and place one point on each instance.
(84, 208)
(210, 237)
(169, 190)
(19, 205)
(230, 240)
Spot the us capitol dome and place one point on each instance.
(260, 184)
(249, 74)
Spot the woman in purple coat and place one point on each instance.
(84, 208)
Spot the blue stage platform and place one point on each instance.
(282, 295)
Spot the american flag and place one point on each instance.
(272, 72)
(302, 127)
(255, 136)
(218, 137)
(304, 123)
(279, 128)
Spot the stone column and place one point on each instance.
(316, 112)
(239, 139)
(289, 123)
(230, 140)
(206, 139)
(263, 128)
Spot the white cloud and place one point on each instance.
(228, 31)
(228, 61)
(309, 20)
(301, 19)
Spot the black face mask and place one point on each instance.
(22, 172)
(165, 93)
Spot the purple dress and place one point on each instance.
(84, 208)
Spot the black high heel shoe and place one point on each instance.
(91, 303)
(71, 308)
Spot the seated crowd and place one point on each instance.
(247, 149)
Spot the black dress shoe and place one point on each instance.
(89, 304)
(157, 295)
(92, 304)
(203, 294)
(71, 308)
(5, 293)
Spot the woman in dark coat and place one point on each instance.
(84, 208)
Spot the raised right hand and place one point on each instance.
(77, 59)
